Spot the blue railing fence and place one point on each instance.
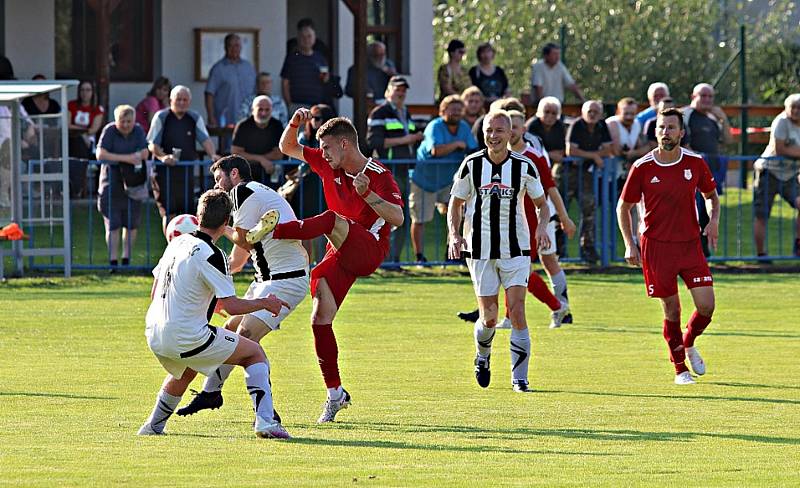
(91, 252)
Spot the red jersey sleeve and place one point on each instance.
(313, 156)
(544, 173)
(386, 187)
(632, 191)
(705, 182)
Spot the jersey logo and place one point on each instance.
(497, 189)
(338, 180)
(655, 180)
(687, 173)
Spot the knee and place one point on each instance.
(706, 309)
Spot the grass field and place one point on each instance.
(77, 380)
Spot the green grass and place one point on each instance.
(77, 380)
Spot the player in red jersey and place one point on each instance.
(364, 203)
(663, 183)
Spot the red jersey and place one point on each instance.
(83, 116)
(667, 192)
(543, 167)
(342, 198)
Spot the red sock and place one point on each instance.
(697, 324)
(539, 289)
(307, 228)
(677, 354)
(327, 354)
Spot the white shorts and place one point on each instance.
(488, 274)
(291, 290)
(551, 233)
(221, 344)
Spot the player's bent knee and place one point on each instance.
(253, 328)
(233, 323)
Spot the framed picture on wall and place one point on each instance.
(209, 47)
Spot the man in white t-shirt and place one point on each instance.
(627, 142)
(281, 265)
(189, 279)
(549, 76)
(777, 171)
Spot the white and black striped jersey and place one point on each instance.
(494, 223)
(270, 256)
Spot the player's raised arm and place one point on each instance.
(388, 211)
(288, 143)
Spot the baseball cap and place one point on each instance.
(397, 80)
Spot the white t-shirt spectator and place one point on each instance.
(782, 129)
(551, 79)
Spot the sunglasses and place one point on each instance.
(551, 112)
(316, 117)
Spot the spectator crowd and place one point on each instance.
(146, 146)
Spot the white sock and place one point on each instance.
(520, 353)
(559, 284)
(165, 405)
(335, 393)
(483, 339)
(256, 377)
(216, 380)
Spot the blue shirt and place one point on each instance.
(434, 177)
(646, 115)
(230, 82)
(303, 73)
(112, 140)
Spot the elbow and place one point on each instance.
(398, 219)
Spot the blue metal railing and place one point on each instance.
(736, 224)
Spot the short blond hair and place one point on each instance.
(449, 100)
(472, 90)
(516, 114)
(121, 111)
(496, 114)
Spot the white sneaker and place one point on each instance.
(557, 317)
(698, 365)
(684, 379)
(147, 429)
(332, 407)
(266, 225)
(269, 429)
(505, 324)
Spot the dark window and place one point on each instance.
(130, 39)
(384, 23)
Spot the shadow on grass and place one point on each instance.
(679, 397)
(585, 434)
(55, 395)
(381, 444)
(724, 333)
(751, 385)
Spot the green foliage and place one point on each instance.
(616, 48)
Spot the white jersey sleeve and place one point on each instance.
(533, 184)
(462, 182)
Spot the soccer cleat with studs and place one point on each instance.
(203, 400)
(332, 407)
(696, 361)
(270, 430)
(684, 378)
(147, 429)
(521, 386)
(483, 372)
(557, 317)
(266, 225)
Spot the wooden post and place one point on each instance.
(103, 12)
(359, 10)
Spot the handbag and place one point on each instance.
(134, 181)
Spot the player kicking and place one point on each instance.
(663, 183)
(558, 303)
(189, 277)
(281, 267)
(496, 243)
(364, 202)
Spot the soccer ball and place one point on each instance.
(181, 224)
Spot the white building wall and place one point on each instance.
(344, 46)
(29, 37)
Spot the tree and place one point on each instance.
(616, 48)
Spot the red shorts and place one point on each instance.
(360, 255)
(663, 262)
